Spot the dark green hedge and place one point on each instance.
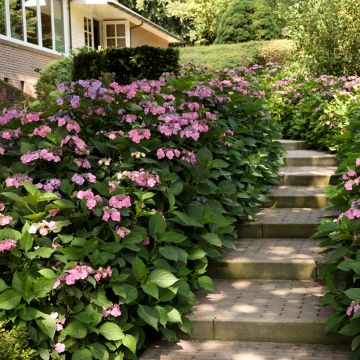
(126, 64)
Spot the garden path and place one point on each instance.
(266, 302)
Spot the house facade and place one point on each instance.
(36, 32)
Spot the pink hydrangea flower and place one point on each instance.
(54, 212)
(91, 199)
(137, 135)
(111, 213)
(103, 273)
(5, 219)
(17, 180)
(59, 347)
(122, 231)
(120, 201)
(113, 310)
(7, 244)
(41, 131)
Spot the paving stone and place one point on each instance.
(286, 311)
(307, 175)
(236, 350)
(309, 158)
(296, 196)
(284, 223)
(270, 259)
(295, 145)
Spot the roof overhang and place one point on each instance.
(134, 17)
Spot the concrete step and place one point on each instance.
(237, 350)
(284, 223)
(309, 158)
(307, 175)
(296, 196)
(283, 259)
(295, 145)
(262, 310)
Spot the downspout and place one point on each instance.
(134, 27)
(70, 32)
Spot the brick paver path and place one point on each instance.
(266, 302)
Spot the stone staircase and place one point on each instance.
(266, 302)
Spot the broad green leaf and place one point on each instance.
(31, 189)
(127, 293)
(130, 342)
(23, 284)
(26, 241)
(41, 252)
(30, 313)
(75, 329)
(47, 273)
(99, 298)
(169, 252)
(162, 278)
(157, 224)
(212, 239)
(204, 157)
(185, 219)
(139, 270)
(151, 289)
(10, 234)
(172, 237)
(16, 198)
(353, 294)
(99, 351)
(149, 315)
(219, 164)
(174, 316)
(9, 299)
(206, 283)
(82, 354)
(111, 331)
(47, 326)
(351, 329)
(3, 285)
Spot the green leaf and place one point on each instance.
(355, 343)
(9, 299)
(149, 315)
(162, 278)
(47, 273)
(206, 283)
(30, 313)
(173, 237)
(204, 157)
(3, 285)
(169, 252)
(99, 298)
(99, 351)
(16, 198)
(47, 326)
(157, 224)
(10, 234)
(111, 331)
(127, 293)
(130, 342)
(151, 289)
(75, 329)
(31, 188)
(219, 164)
(185, 219)
(212, 239)
(139, 270)
(24, 285)
(41, 252)
(353, 294)
(82, 354)
(351, 329)
(174, 316)
(26, 241)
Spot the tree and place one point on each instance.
(246, 20)
(326, 34)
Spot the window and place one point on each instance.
(35, 22)
(116, 34)
(88, 32)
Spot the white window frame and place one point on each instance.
(116, 22)
(86, 33)
(39, 27)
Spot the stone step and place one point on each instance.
(296, 196)
(309, 158)
(295, 145)
(270, 259)
(262, 310)
(284, 223)
(237, 350)
(307, 175)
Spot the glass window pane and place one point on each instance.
(46, 23)
(120, 30)
(110, 30)
(16, 20)
(31, 25)
(85, 23)
(2, 18)
(59, 26)
(111, 42)
(121, 42)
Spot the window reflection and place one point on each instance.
(46, 23)
(16, 19)
(31, 25)
(59, 26)
(2, 18)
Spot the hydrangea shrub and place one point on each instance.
(114, 199)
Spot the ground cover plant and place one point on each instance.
(113, 199)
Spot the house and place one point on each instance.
(35, 32)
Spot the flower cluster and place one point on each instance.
(112, 310)
(141, 177)
(102, 273)
(43, 228)
(91, 199)
(78, 272)
(7, 244)
(17, 180)
(44, 154)
(80, 179)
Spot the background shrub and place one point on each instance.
(246, 20)
(125, 65)
(326, 33)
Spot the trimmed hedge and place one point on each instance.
(126, 64)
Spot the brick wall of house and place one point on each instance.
(18, 64)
